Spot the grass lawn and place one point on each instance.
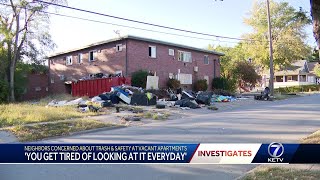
(312, 139)
(278, 96)
(24, 113)
(277, 173)
(45, 130)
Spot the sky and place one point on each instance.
(223, 18)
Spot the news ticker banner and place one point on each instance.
(160, 153)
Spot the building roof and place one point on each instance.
(139, 39)
(296, 68)
(312, 65)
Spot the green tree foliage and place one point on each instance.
(228, 84)
(317, 70)
(173, 83)
(245, 73)
(288, 34)
(4, 91)
(232, 55)
(139, 78)
(24, 30)
(200, 85)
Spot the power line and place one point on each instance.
(145, 23)
(143, 29)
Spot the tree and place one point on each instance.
(245, 73)
(317, 70)
(288, 34)
(139, 78)
(232, 55)
(24, 35)
(315, 13)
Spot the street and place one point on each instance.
(285, 121)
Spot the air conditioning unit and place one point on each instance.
(196, 68)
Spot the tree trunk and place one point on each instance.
(14, 60)
(315, 12)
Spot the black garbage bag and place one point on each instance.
(114, 98)
(204, 98)
(187, 95)
(141, 99)
(187, 103)
(107, 103)
(105, 97)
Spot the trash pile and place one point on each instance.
(221, 98)
(136, 96)
(99, 75)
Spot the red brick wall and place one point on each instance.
(37, 86)
(108, 61)
(163, 64)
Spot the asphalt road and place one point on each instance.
(282, 121)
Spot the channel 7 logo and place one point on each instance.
(275, 150)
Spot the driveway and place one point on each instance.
(284, 121)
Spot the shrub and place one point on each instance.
(200, 85)
(295, 89)
(139, 78)
(224, 84)
(173, 83)
(4, 91)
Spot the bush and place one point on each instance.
(173, 83)
(295, 89)
(139, 78)
(200, 85)
(224, 84)
(4, 91)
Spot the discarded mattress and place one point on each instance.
(124, 98)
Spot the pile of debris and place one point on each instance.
(136, 96)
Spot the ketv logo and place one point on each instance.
(275, 150)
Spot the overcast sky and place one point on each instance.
(223, 18)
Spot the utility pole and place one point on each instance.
(271, 51)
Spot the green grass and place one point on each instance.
(25, 113)
(277, 173)
(312, 139)
(156, 116)
(279, 96)
(46, 130)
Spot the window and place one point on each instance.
(52, 78)
(118, 73)
(206, 59)
(152, 51)
(289, 78)
(171, 52)
(119, 47)
(79, 58)
(61, 77)
(185, 56)
(69, 60)
(92, 55)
